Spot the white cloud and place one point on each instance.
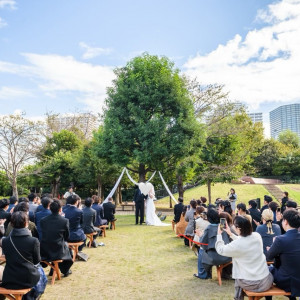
(8, 3)
(262, 67)
(2, 23)
(56, 74)
(91, 52)
(7, 93)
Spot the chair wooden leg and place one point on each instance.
(104, 231)
(219, 273)
(18, 297)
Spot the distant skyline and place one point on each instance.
(59, 56)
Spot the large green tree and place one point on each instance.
(228, 148)
(150, 116)
(289, 138)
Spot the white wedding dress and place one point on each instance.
(151, 217)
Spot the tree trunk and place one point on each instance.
(180, 186)
(171, 204)
(99, 184)
(14, 187)
(117, 195)
(55, 187)
(209, 190)
(142, 173)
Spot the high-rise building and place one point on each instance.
(256, 117)
(85, 122)
(285, 117)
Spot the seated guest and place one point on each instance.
(55, 233)
(109, 210)
(273, 206)
(89, 217)
(65, 207)
(99, 212)
(242, 211)
(249, 267)
(286, 252)
(289, 205)
(229, 221)
(268, 230)
(33, 202)
(13, 201)
(203, 201)
(225, 205)
(267, 201)
(200, 225)
(23, 206)
(209, 256)
(4, 214)
(181, 225)
(75, 217)
(190, 218)
(254, 213)
(178, 210)
(42, 214)
(22, 253)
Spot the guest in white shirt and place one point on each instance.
(249, 267)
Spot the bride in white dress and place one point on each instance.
(151, 217)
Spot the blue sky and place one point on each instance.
(59, 55)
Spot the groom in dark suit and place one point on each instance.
(139, 199)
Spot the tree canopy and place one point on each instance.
(150, 116)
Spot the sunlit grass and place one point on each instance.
(245, 192)
(293, 190)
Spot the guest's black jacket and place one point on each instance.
(256, 215)
(109, 210)
(89, 217)
(178, 208)
(18, 273)
(5, 215)
(55, 233)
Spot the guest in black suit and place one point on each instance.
(178, 208)
(284, 201)
(42, 214)
(267, 201)
(139, 200)
(4, 203)
(254, 213)
(89, 217)
(75, 217)
(20, 273)
(99, 212)
(109, 211)
(286, 252)
(55, 233)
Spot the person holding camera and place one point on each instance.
(249, 266)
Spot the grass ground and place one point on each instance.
(138, 262)
(245, 192)
(293, 190)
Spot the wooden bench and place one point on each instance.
(173, 225)
(54, 266)
(219, 271)
(90, 236)
(132, 205)
(273, 291)
(103, 228)
(74, 247)
(14, 294)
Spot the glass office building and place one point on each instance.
(285, 117)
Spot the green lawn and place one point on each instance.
(293, 190)
(245, 192)
(138, 262)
